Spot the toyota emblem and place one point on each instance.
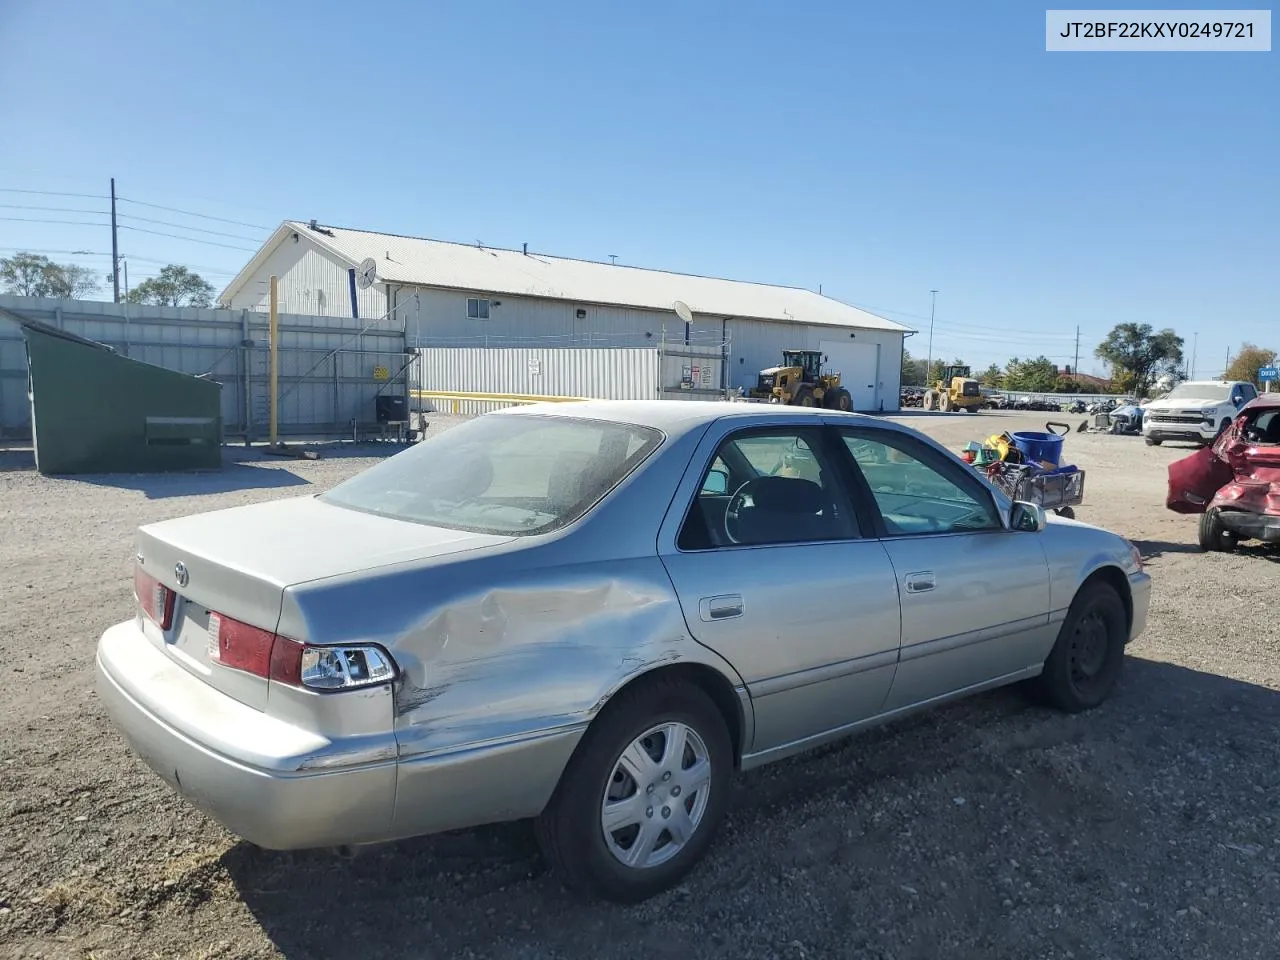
(180, 573)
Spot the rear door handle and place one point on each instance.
(921, 582)
(720, 608)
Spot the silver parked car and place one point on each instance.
(592, 614)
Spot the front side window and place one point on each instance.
(919, 492)
(763, 488)
(512, 474)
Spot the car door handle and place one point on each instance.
(921, 582)
(720, 608)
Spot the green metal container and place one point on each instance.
(94, 411)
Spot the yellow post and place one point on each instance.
(275, 342)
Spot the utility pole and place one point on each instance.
(274, 345)
(928, 367)
(1191, 370)
(115, 246)
(1075, 369)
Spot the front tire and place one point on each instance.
(1085, 662)
(1152, 441)
(642, 798)
(944, 402)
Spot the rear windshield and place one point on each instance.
(510, 474)
(1216, 392)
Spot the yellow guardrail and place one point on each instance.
(458, 398)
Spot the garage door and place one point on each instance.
(856, 364)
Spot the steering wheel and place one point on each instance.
(733, 508)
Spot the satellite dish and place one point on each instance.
(366, 273)
(683, 311)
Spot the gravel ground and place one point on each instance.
(1147, 828)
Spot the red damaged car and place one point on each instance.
(1235, 484)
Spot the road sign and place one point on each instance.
(1268, 373)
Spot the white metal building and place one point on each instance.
(453, 294)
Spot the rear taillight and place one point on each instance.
(262, 653)
(155, 599)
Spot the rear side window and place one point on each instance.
(511, 474)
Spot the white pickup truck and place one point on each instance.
(1196, 410)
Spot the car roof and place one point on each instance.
(672, 417)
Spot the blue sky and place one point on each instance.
(877, 150)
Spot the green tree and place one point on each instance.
(993, 376)
(1136, 349)
(1246, 364)
(33, 275)
(175, 286)
(913, 371)
(1036, 376)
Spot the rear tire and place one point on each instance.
(804, 397)
(1085, 662)
(628, 736)
(1214, 537)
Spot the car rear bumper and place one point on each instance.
(286, 788)
(1251, 526)
(171, 717)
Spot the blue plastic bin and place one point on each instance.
(1039, 447)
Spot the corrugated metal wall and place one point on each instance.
(439, 318)
(330, 371)
(601, 373)
(312, 282)
(755, 345)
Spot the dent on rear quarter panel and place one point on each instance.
(538, 650)
(531, 656)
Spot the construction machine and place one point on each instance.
(802, 382)
(957, 390)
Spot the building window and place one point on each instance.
(477, 309)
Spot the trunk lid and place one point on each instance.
(1194, 480)
(237, 563)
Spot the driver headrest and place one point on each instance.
(787, 495)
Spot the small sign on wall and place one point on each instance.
(535, 367)
(381, 373)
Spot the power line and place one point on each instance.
(23, 206)
(174, 236)
(183, 226)
(191, 213)
(69, 223)
(54, 193)
(202, 267)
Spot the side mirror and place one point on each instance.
(1027, 517)
(716, 484)
(1237, 398)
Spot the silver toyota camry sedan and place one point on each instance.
(593, 615)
